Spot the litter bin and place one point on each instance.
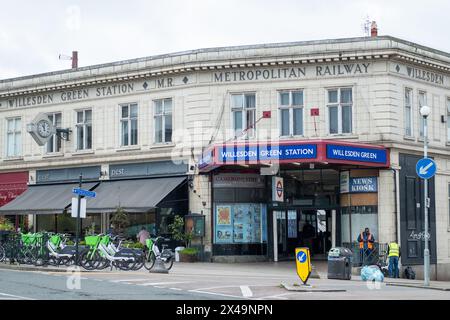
(177, 253)
(340, 263)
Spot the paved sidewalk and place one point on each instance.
(436, 285)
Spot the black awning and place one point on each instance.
(132, 195)
(43, 199)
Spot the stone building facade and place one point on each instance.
(349, 100)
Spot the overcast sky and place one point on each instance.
(34, 33)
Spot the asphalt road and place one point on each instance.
(251, 281)
(29, 285)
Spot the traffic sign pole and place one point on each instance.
(426, 253)
(77, 261)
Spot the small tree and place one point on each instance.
(120, 219)
(6, 225)
(178, 232)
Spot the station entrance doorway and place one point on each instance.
(311, 227)
(307, 218)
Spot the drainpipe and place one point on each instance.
(396, 203)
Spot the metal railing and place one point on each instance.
(364, 257)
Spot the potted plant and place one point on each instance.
(178, 233)
(120, 220)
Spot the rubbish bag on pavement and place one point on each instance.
(372, 273)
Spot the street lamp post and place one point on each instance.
(425, 112)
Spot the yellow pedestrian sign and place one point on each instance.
(303, 262)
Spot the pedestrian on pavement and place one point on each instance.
(143, 235)
(366, 245)
(393, 254)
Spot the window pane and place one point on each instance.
(18, 144)
(297, 98)
(284, 98)
(237, 101)
(408, 121)
(422, 99)
(408, 97)
(133, 111)
(18, 124)
(168, 129)
(333, 118)
(10, 147)
(237, 121)
(158, 129)
(50, 144)
(124, 133)
(11, 125)
(346, 95)
(158, 107)
(134, 132)
(298, 121)
(88, 116)
(57, 121)
(284, 122)
(80, 137)
(80, 117)
(88, 137)
(125, 112)
(346, 119)
(167, 105)
(332, 96)
(250, 119)
(250, 101)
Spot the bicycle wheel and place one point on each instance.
(2, 254)
(149, 261)
(139, 263)
(88, 260)
(167, 258)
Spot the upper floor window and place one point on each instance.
(448, 119)
(163, 120)
(422, 102)
(339, 105)
(54, 143)
(291, 113)
(128, 124)
(84, 129)
(408, 112)
(14, 137)
(243, 109)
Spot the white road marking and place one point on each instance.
(214, 293)
(160, 283)
(279, 296)
(128, 280)
(177, 289)
(14, 296)
(246, 292)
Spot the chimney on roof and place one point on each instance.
(373, 29)
(74, 59)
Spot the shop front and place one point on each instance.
(13, 185)
(151, 194)
(317, 194)
(49, 199)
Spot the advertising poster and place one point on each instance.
(224, 228)
(240, 223)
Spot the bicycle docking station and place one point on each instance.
(159, 267)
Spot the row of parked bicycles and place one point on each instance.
(99, 252)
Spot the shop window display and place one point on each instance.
(240, 223)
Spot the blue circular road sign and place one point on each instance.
(426, 168)
(301, 256)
